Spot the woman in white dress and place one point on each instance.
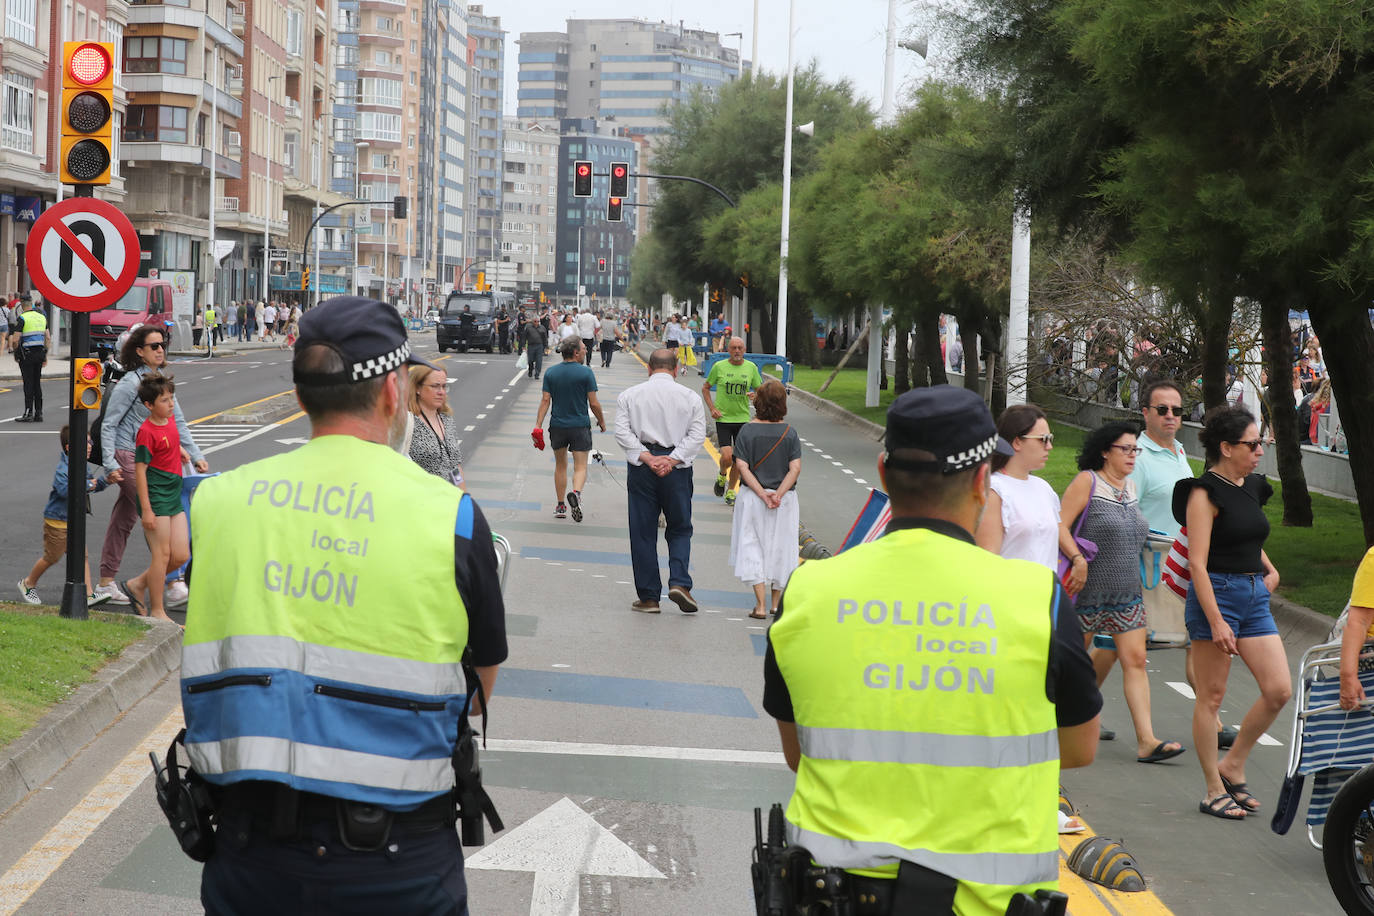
(763, 533)
(1021, 519)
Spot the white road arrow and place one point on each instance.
(560, 844)
(293, 441)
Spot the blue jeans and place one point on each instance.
(649, 495)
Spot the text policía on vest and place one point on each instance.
(947, 678)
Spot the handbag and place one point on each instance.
(1085, 547)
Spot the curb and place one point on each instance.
(35, 756)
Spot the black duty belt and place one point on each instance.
(655, 448)
(283, 812)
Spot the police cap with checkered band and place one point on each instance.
(950, 424)
(367, 334)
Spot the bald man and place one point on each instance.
(735, 380)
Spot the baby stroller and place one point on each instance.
(1335, 748)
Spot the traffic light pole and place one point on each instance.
(74, 591)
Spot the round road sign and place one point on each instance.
(82, 254)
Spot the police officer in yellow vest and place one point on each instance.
(32, 355)
(927, 692)
(322, 677)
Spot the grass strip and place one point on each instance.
(1316, 565)
(44, 658)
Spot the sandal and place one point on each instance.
(1210, 807)
(758, 613)
(1240, 793)
(1162, 752)
(134, 603)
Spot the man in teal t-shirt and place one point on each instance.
(570, 389)
(735, 380)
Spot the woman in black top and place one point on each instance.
(1227, 611)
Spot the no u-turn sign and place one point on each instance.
(82, 254)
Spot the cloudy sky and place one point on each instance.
(845, 37)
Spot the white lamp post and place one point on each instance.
(786, 189)
(359, 149)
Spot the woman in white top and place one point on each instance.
(1021, 519)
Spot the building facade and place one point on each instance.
(585, 239)
(529, 201)
(451, 166)
(486, 92)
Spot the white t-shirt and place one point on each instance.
(269, 314)
(566, 330)
(586, 325)
(1030, 519)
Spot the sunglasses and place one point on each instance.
(1251, 444)
(156, 345)
(1047, 438)
(1165, 410)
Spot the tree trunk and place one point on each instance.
(853, 348)
(933, 357)
(1283, 412)
(968, 335)
(1347, 340)
(1216, 338)
(902, 369)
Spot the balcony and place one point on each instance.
(178, 157)
(135, 83)
(381, 4)
(227, 205)
(161, 14)
(372, 66)
(293, 108)
(373, 35)
(236, 87)
(236, 23)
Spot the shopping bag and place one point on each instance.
(523, 360)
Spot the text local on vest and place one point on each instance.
(964, 631)
(313, 580)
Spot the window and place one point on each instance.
(376, 126)
(290, 140)
(413, 49)
(21, 18)
(155, 55)
(160, 123)
(293, 32)
(17, 133)
(374, 91)
(414, 15)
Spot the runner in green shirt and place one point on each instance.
(735, 380)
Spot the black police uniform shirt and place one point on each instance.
(1070, 681)
(479, 582)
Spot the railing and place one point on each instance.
(236, 86)
(293, 108)
(236, 23)
(228, 205)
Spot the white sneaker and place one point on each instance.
(94, 599)
(176, 594)
(112, 593)
(28, 593)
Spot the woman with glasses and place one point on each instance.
(1108, 588)
(434, 440)
(1227, 611)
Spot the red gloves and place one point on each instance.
(537, 434)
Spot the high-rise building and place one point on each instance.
(529, 201)
(339, 245)
(619, 70)
(452, 149)
(585, 238)
(486, 82)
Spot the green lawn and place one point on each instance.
(44, 658)
(1316, 565)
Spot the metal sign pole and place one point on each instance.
(74, 591)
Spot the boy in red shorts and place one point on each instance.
(158, 457)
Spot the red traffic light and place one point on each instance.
(618, 171)
(582, 178)
(89, 64)
(584, 170)
(90, 371)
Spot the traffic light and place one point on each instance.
(620, 179)
(87, 112)
(582, 178)
(305, 279)
(481, 280)
(614, 208)
(601, 265)
(86, 373)
(398, 207)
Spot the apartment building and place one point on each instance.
(451, 170)
(584, 237)
(529, 203)
(619, 70)
(486, 85)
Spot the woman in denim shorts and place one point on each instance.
(1227, 611)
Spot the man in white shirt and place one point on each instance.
(586, 329)
(269, 321)
(660, 425)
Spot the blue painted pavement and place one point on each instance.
(632, 693)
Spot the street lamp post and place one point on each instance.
(386, 238)
(739, 62)
(267, 203)
(786, 189)
(359, 148)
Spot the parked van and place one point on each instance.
(482, 332)
(149, 299)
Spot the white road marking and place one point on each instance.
(825, 456)
(847, 470)
(244, 438)
(38, 864)
(206, 378)
(1183, 688)
(1270, 741)
(231, 372)
(561, 666)
(497, 398)
(490, 407)
(515, 378)
(647, 751)
(860, 480)
(480, 416)
(468, 429)
(837, 463)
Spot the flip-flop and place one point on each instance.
(1210, 807)
(1161, 753)
(134, 603)
(1240, 792)
(756, 616)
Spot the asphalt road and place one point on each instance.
(626, 751)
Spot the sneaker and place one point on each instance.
(176, 594)
(93, 599)
(719, 488)
(730, 497)
(29, 593)
(575, 503)
(111, 593)
(645, 607)
(561, 511)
